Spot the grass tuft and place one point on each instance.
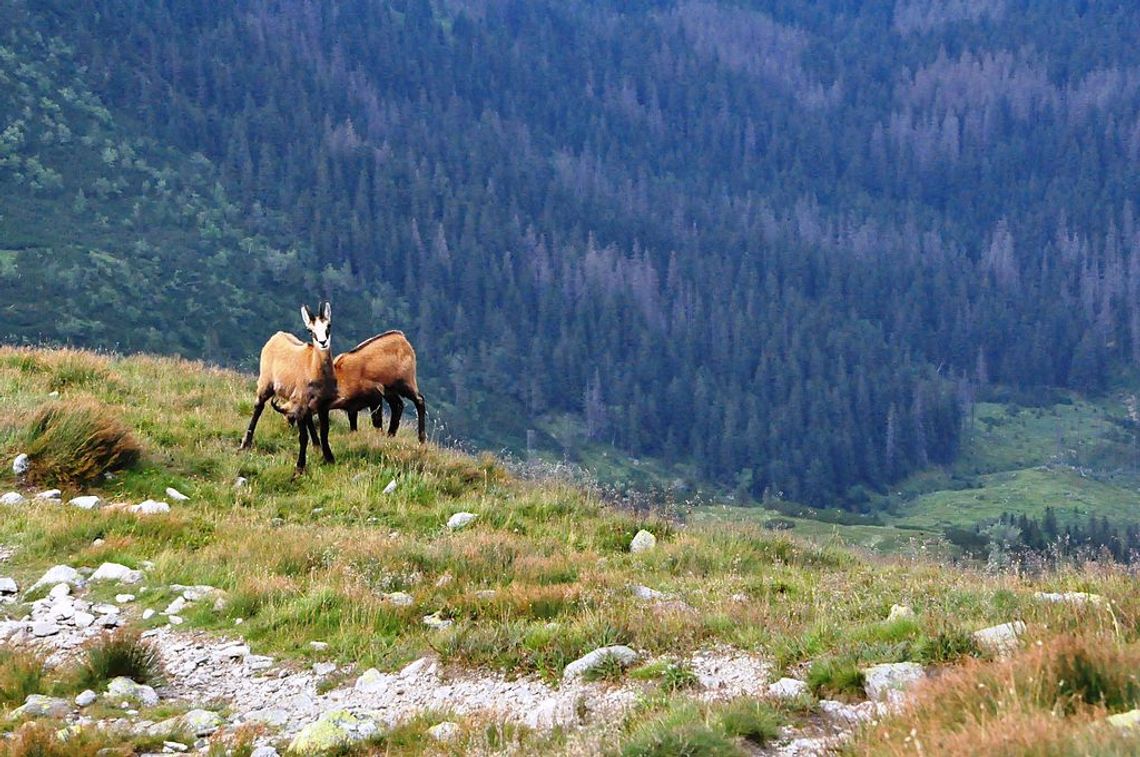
(835, 678)
(681, 730)
(122, 654)
(76, 442)
(21, 674)
(752, 720)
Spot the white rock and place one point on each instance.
(37, 705)
(460, 520)
(645, 594)
(42, 628)
(122, 687)
(20, 464)
(174, 747)
(324, 668)
(415, 667)
(175, 620)
(258, 662)
(1125, 721)
(175, 607)
(1078, 598)
(85, 698)
(436, 621)
(899, 612)
(400, 598)
(108, 621)
(124, 598)
(332, 730)
(264, 751)
(112, 571)
(13, 498)
(319, 646)
(201, 722)
(575, 670)
(148, 613)
(150, 507)
(105, 609)
(59, 590)
(176, 495)
(445, 731)
(59, 574)
(642, 541)
(241, 482)
(391, 487)
(50, 494)
(8, 585)
(83, 619)
(788, 688)
(233, 651)
(1002, 639)
(86, 502)
(371, 681)
(886, 682)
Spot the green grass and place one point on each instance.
(310, 559)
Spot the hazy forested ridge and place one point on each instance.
(787, 241)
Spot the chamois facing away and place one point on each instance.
(301, 378)
(380, 368)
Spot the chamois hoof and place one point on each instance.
(245, 444)
(329, 460)
(297, 473)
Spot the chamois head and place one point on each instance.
(320, 325)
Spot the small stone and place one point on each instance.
(486, 594)
(445, 731)
(86, 502)
(443, 581)
(122, 687)
(370, 681)
(83, 619)
(8, 585)
(42, 628)
(124, 598)
(59, 574)
(258, 662)
(176, 495)
(241, 482)
(40, 706)
(1000, 640)
(148, 613)
(645, 594)
(899, 612)
(86, 697)
(105, 609)
(332, 730)
(201, 722)
(98, 542)
(324, 668)
(460, 520)
(150, 507)
(400, 598)
(51, 495)
(319, 646)
(1125, 720)
(174, 747)
(110, 571)
(59, 590)
(233, 651)
(1078, 598)
(264, 751)
(13, 498)
(415, 667)
(391, 487)
(575, 670)
(174, 620)
(788, 688)
(238, 621)
(642, 541)
(194, 593)
(20, 464)
(108, 621)
(175, 607)
(886, 682)
(436, 621)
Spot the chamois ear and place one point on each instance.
(307, 316)
(326, 310)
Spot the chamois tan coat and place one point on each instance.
(300, 378)
(382, 367)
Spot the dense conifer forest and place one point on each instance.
(788, 243)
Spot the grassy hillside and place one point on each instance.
(312, 558)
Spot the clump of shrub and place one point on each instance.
(752, 720)
(21, 674)
(76, 442)
(680, 730)
(125, 653)
(833, 678)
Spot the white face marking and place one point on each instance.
(320, 327)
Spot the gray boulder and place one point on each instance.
(642, 541)
(86, 502)
(888, 681)
(39, 706)
(460, 520)
(583, 665)
(13, 498)
(112, 571)
(122, 687)
(1000, 640)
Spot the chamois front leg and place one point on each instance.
(421, 416)
(377, 412)
(313, 437)
(351, 420)
(323, 418)
(247, 440)
(303, 442)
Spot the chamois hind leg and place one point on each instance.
(259, 406)
(397, 406)
(421, 416)
(377, 412)
(351, 420)
(313, 437)
(303, 443)
(323, 419)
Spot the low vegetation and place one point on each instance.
(121, 654)
(76, 443)
(542, 576)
